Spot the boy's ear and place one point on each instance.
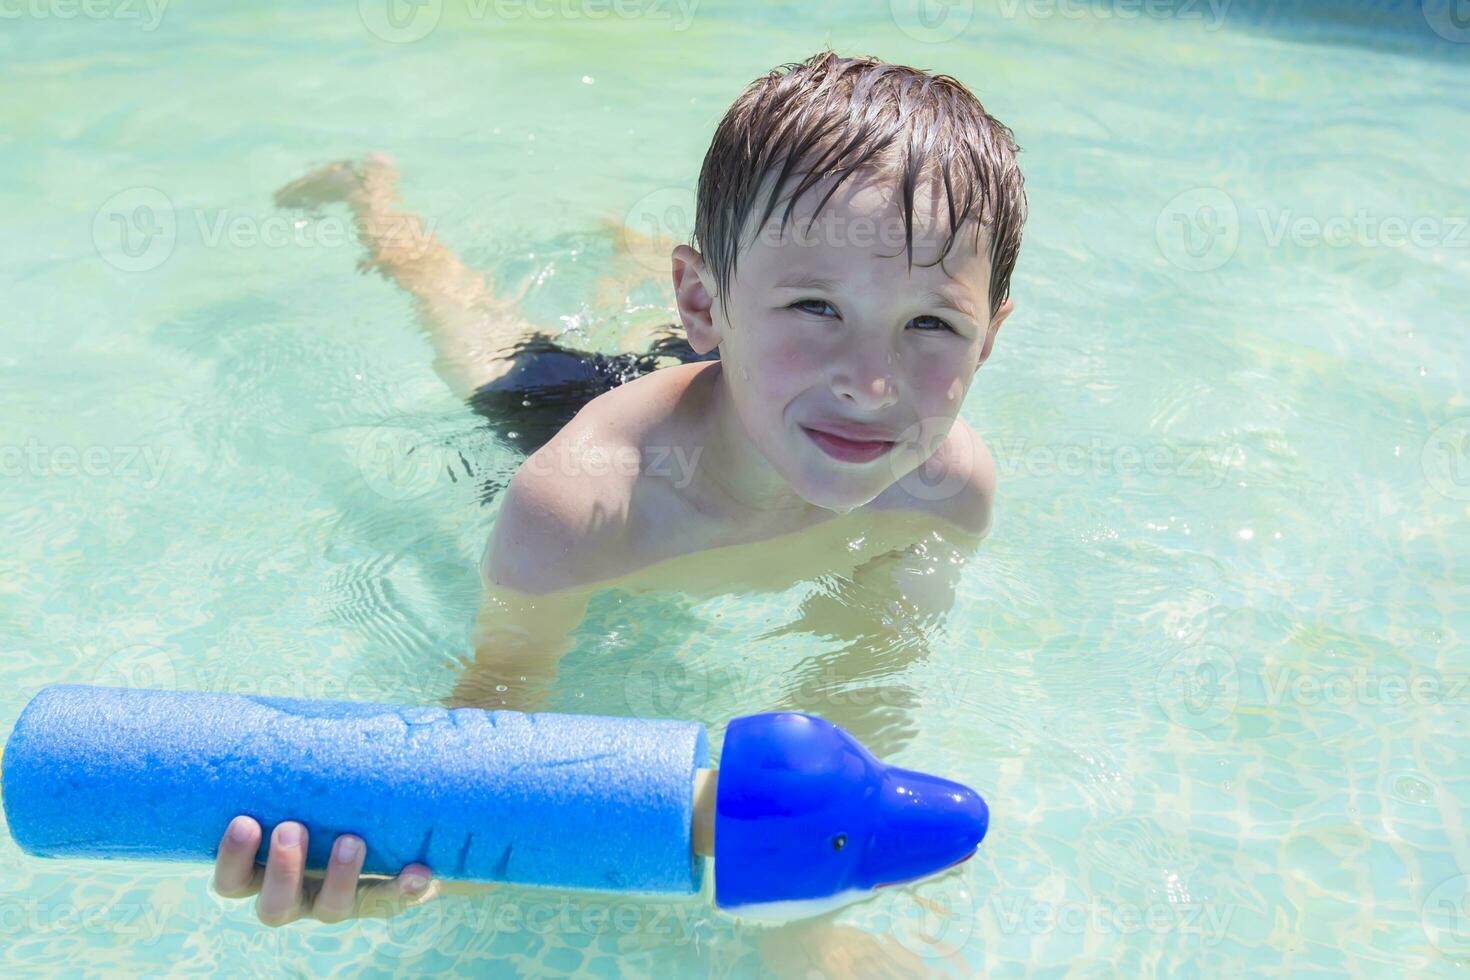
(695, 298)
(1005, 310)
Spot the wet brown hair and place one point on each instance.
(831, 116)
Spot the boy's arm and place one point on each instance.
(882, 617)
(518, 642)
(552, 540)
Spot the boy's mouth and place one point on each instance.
(846, 449)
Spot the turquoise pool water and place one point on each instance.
(1210, 667)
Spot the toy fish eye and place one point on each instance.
(839, 842)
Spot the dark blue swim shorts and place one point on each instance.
(549, 384)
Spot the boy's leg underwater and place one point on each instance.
(472, 329)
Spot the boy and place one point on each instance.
(857, 223)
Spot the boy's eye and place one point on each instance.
(931, 324)
(817, 307)
(820, 307)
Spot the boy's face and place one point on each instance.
(846, 366)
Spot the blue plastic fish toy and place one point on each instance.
(807, 820)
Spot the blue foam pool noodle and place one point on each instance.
(561, 800)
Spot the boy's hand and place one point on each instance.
(288, 892)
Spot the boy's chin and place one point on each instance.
(824, 484)
(838, 497)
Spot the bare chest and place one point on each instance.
(682, 553)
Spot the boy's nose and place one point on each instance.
(865, 379)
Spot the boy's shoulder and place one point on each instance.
(956, 484)
(568, 515)
(555, 531)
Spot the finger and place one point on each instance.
(236, 875)
(337, 898)
(280, 891)
(444, 887)
(384, 899)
